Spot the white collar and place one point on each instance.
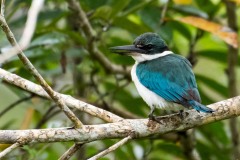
(147, 57)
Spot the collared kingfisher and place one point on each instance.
(162, 78)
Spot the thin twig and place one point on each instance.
(38, 77)
(192, 56)
(188, 142)
(28, 31)
(15, 104)
(148, 150)
(164, 11)
(2, 4)
(69, 153)
(187, 138)
(112, 148)
(9, 149)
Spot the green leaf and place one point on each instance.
(205, 98)
(210, 8)
(108, 12)
(7, 124)
(151, 15)
(206, 151)
(166, 31)
(167, 151)
(219, 139)
(49, 39)
(138, 5)
(118, 6)
(31, 151)
(103, 12)
(131, 26)
(188, 9)
(50, 15)
(182, 29)
(216, 55)
(74, 36)
(211, 83)
(88, 5)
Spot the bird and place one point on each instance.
(162, 78)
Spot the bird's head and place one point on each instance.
(145, 45)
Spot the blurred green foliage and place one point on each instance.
(58, 38)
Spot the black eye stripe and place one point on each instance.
(144, 47)
(148, 46)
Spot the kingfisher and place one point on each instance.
(162, 78)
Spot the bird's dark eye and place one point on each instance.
(145, 47)
(148, 46)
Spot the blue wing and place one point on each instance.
(170, 77)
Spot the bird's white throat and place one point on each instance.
(147, 57)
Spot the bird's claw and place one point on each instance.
(181, 114)
(151, 117)
(154, 118)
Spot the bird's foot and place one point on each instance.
(181, 114)
(157, 119)
(154, 118)
(151, 117)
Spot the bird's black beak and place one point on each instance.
(126, 50)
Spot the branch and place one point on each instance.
(9, 149)
(90, 34)
(70, 101)
(37, 76)
(232, 52)
(68, 154)
(232, 75)
(187, 141)
(112, 148)
(28, 31)
(187, 138)
(140, 127)
(192, 56)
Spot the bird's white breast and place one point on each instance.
(151, 98)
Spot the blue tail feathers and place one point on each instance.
(200, 107)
